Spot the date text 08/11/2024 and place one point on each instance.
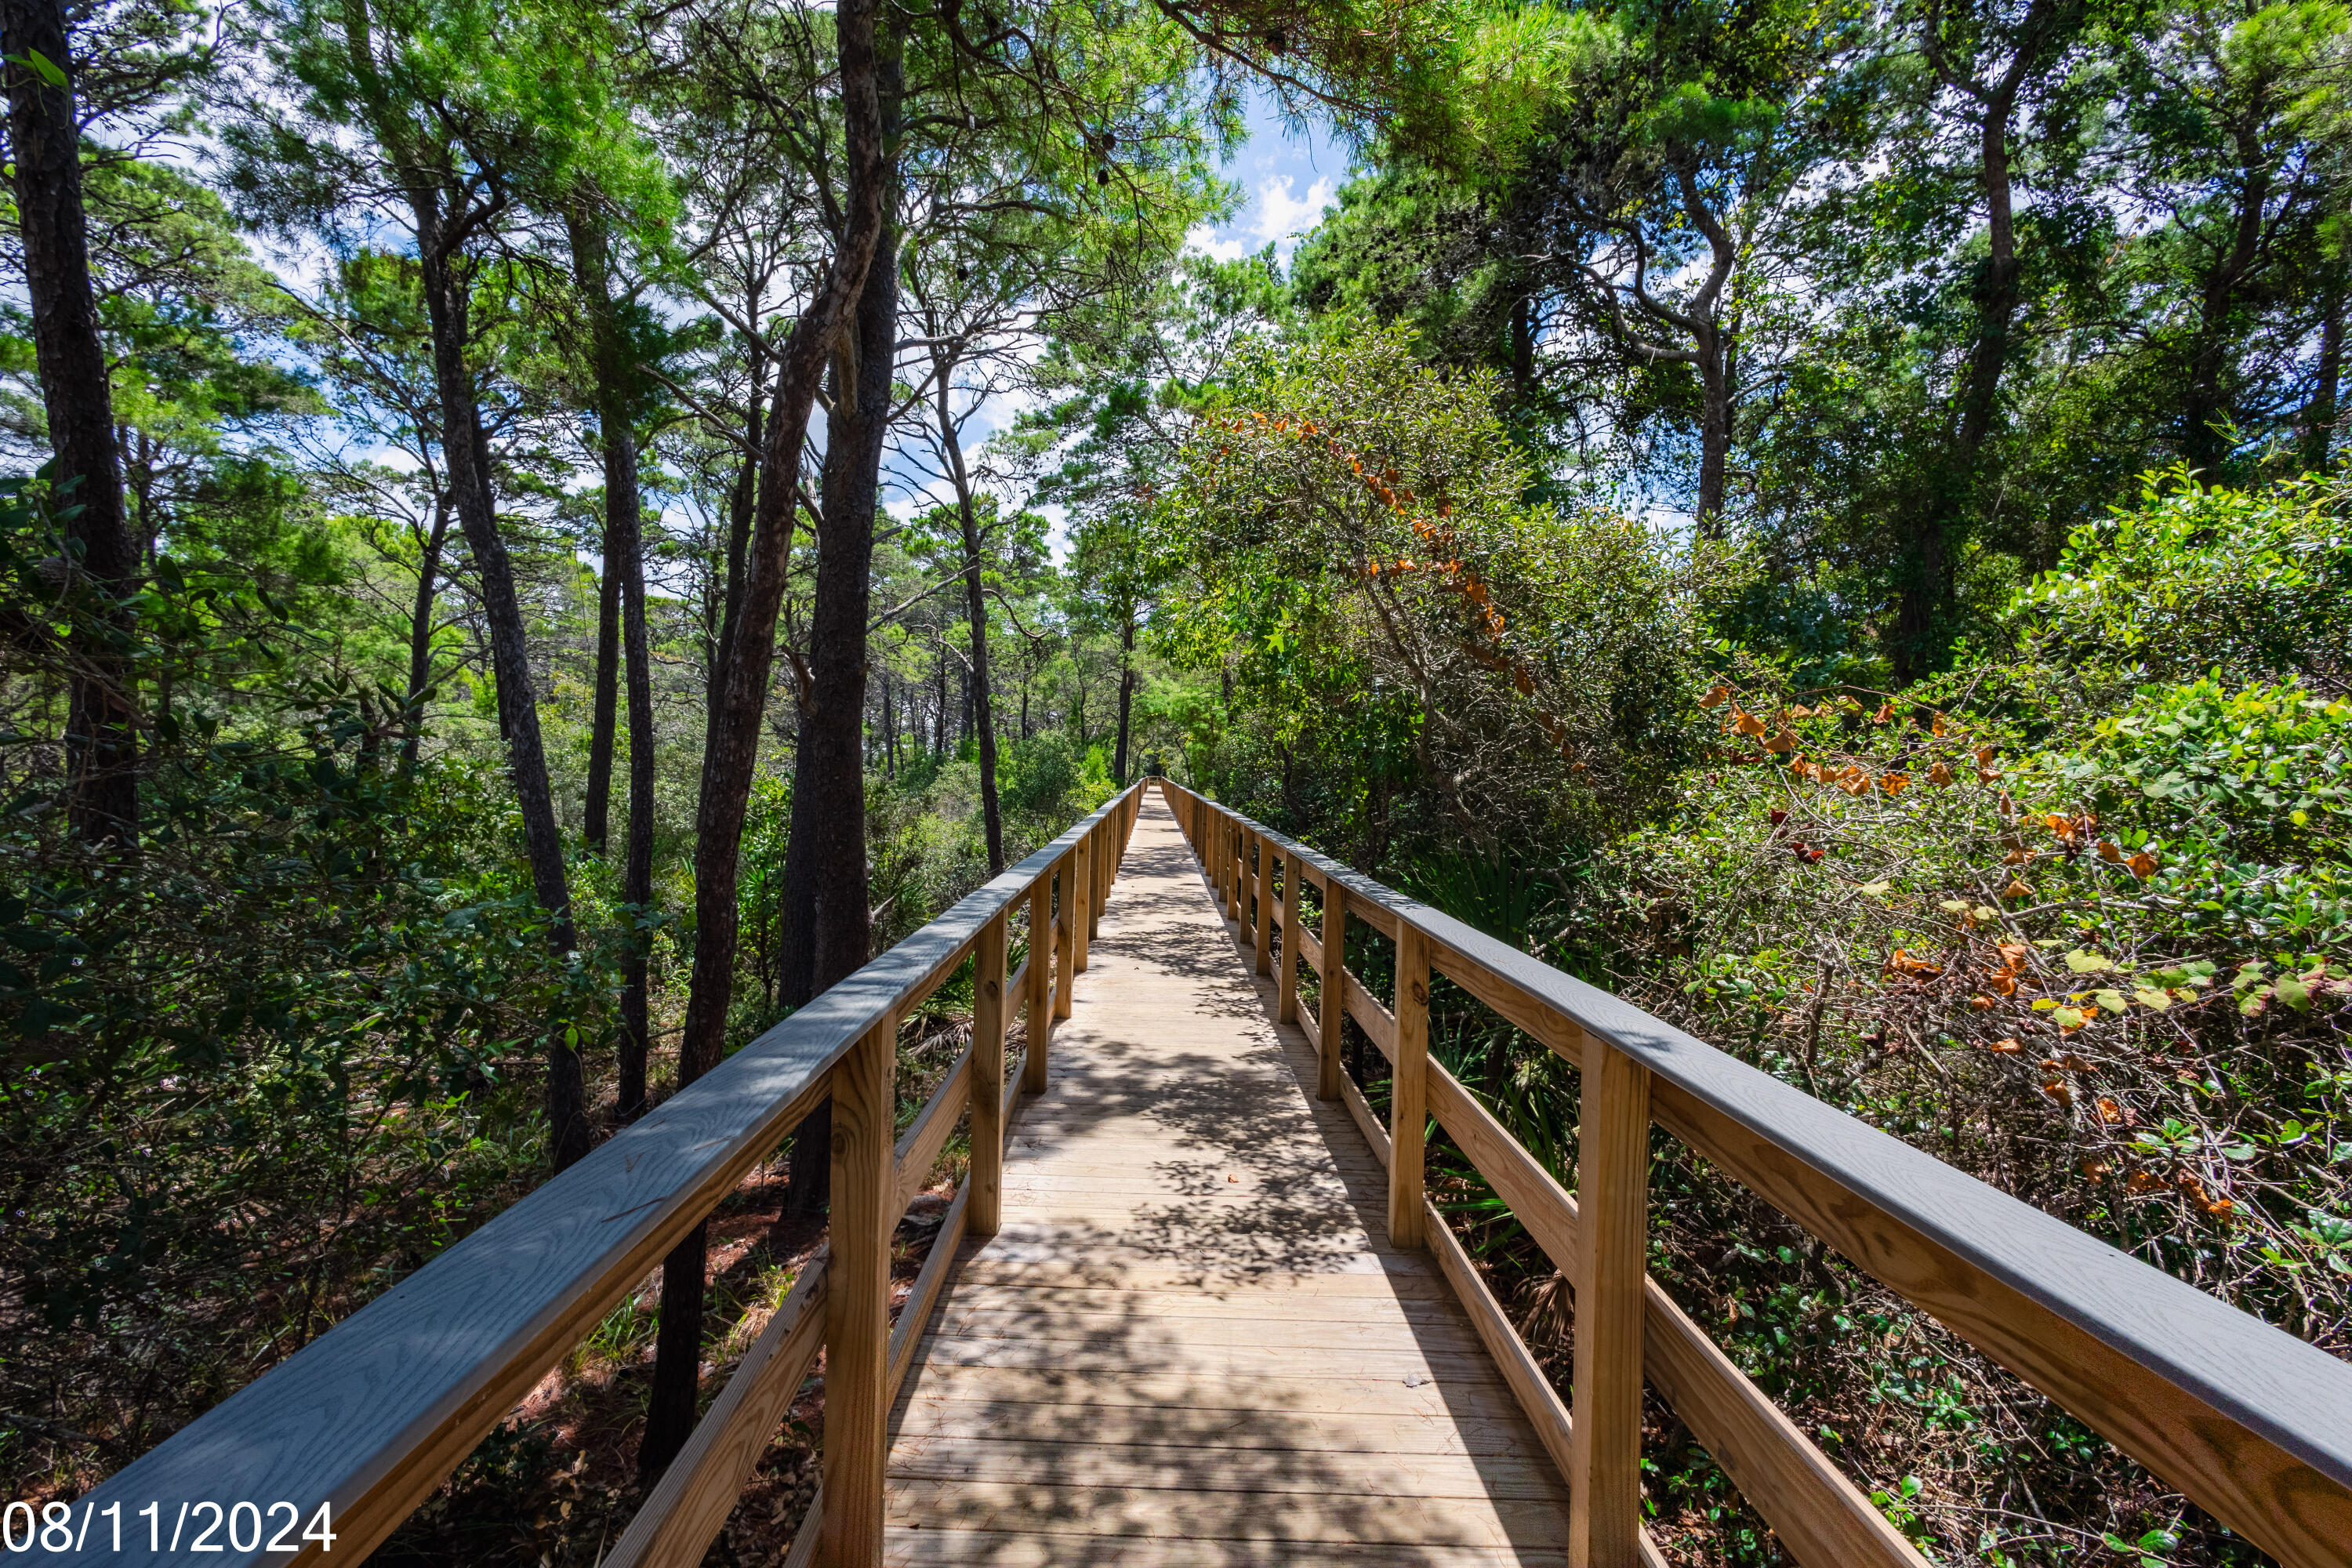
(241, 1525)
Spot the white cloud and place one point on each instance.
(1280, 216)
(1204, 239)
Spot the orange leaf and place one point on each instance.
(1800, 712)
(1885, 711)
(2017, 890)
(1982, 1004)
(2143, 865)
(1895, 784)
(2061, 826)
(2003, 983)
(1937, 727)
(2109, 1112)
(2016, 858)
(2015, 953)
(2109, 853)
(1783, 743)
(1941, 775)
(2004, 1047)
(1746, 723)
(2058, 1091)
(2094, 1169)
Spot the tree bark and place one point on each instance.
(1926, 593)
(2205, 402)
(826, 856)
(623, 601)
(1126, 695)
(101, 737)
(627, 548)
(596, 820)
(976, 612)
(740, 699)
(420, 632)
(466, 450)
(2319, 413)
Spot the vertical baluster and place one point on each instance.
(858, 1299)
(1106, 860)
(1285, 991)
(988, 1009)
(1079, 911)
(1262, 896)
(1409, 1095)
(1040, 982)
(1604, 1520)
(1332, 988)
(1242, 878)
(1065, 939)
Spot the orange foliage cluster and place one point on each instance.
(1445, 566)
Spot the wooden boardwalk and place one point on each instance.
(1192, 1343)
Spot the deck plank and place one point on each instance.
(1192, 1342)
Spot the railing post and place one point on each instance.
(988, 1010)
(1235, 877)
(1285, 992)
(1106, 860)
(1332, 989)
(1041, 982)
(1079, 914)
(1066, 937)
(1408, 1093)
(857, 1299)
(1262, 901)
(1612, 1180)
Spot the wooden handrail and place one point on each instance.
(2243, 1418)
(372, 1416)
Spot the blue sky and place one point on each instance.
(1288, 178)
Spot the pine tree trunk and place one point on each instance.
(1125, 696)
(420, 632)
(624, 602)
(101, 737)
(2319, 413)
(826, 858)
(466, 451)
(596, 820)
(740, 704)
(975, 601)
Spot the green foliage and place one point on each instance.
(2248, 585)
(1364, 567)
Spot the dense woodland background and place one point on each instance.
(541, 535)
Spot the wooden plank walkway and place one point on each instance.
(1192, 1343)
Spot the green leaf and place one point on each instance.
(2083, 963)
(41, 66)
(2112, 1001)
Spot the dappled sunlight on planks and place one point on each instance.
(1192, 1342)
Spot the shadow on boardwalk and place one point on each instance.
(1190, 1342)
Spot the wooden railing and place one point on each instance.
(2249, 1422)
(375, 1413)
